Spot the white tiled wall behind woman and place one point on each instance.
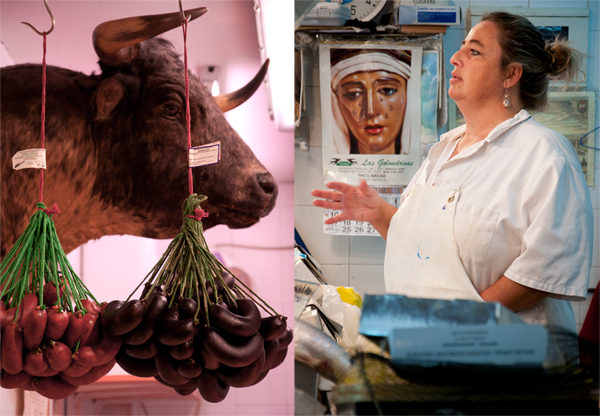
(358, 261)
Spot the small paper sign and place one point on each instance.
(35, 404)
(208, 154)
(30, 158)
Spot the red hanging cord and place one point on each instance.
(43, 114)
(184, 23)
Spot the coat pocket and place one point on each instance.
(474, 228)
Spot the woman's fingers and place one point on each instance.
(330, 195)
(324, 203)
(338, 218)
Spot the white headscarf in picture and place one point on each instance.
(370, 61)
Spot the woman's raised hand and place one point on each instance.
(359, 203)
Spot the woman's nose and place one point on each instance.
(456, 59)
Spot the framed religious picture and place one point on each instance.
(371, 111)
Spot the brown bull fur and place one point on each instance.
(117, 151)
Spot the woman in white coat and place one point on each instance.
(500, 210)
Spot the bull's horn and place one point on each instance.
(113, 40)
(231, 100)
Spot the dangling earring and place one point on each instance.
(506, 102)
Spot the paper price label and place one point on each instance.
(390, 194)
(208, 154)
(29, 159)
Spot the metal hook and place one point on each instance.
(182, 14)
(51, 17)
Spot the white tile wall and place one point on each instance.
(358, 261)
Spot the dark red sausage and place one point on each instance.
(119, 318)
(14, 381)
(54, 387)
(147, 287)
(89, 322)
(261, 377)
(156, 306)
(190, 368)
(76, 369)
(182, 351)
(28, 386)
(102, 352)
(94, 336)
(271, 350)
(90, 307)
(49, 372)
(34, 329)
(187, 308)
(272, 327)
(244, 324)
(167, 370)
(147, 350)
(12, 348)
(168, 320)
(181, 332)
(95, 374)
(244, 376)
(35, 362)
(84, 357)
(135, 366)
(286, 338)
(59, 355)
(28, 303)
(211, 388)
(209, 361)
(57, 323)
(230, 354)
(50, 293)
(192, 384)
(185, 392)
(73, 333)
(7, 315)
(279, 358)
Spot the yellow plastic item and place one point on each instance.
(348, 295)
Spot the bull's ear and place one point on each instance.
(108, 95)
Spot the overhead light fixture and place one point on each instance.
(276, 41)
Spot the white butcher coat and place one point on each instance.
(524, 212)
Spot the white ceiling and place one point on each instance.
(225, 36)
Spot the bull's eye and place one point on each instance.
(171, 110)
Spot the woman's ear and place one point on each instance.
(513, 75)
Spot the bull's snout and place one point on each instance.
(267, 183)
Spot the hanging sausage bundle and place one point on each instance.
(196, 325)
(52, 340)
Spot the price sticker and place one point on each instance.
(29, 159)
(209, 154)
